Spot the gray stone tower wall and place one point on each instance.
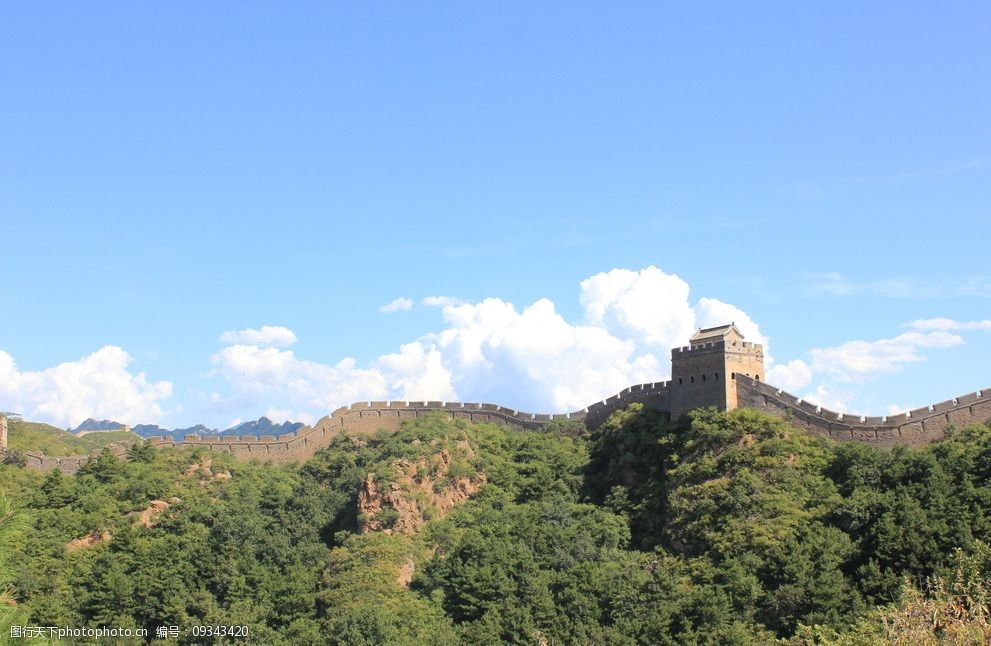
(704, 374)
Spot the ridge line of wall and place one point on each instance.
(918, 426)
(369, 416)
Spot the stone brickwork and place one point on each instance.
(918, 426)
(702, 374)
(67, 464)
(364, 418)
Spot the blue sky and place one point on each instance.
(572, 177)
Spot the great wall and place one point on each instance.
(717, 369)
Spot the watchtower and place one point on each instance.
(704, 373)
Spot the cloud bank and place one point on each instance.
(528, 357)
(861, 360)
(98, 385)
(268, 335)
(399, 305)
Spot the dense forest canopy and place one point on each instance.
(725, 528)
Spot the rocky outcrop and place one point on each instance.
(205, 470)
(417, 492)
(147, 516)
(93, 538)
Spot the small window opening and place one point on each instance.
(692, 378)
(679, 380)
(717, 376)
(703, 378)
(757, 377)
(732, 375)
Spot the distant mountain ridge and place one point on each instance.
(261, 426)
(154, 430)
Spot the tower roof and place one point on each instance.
(727, 332)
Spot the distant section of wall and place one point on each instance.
(918, 426)
(363, 418)
(66, 463)
(124, 428)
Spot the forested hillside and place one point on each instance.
(732, 528)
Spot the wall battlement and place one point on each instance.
(366, 417)
(716, 346)
(915, 427)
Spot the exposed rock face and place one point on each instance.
(422, 490)
(89, 540)
(205, 469)
(406, 571)
(200, 467)
(147, 516)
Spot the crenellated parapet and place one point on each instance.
(915, 427)
(64, 463)
(367, 417)
(715, 346)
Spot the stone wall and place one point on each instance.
(67, 463)
(363, 418)
(701, 374)
(918, 426)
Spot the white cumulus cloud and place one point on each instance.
(790, 376)
(527, 357)
(398, 305)
(711, 312)
(441, 301)
(827, 398)
(417, 372)
(946, 325)
(275, 336)
(98, 385)
(859, 360)
(534, 359)
(261, 375)
(280, 415)
(648, 305)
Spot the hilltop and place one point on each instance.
(35, 436)
(91, 425)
